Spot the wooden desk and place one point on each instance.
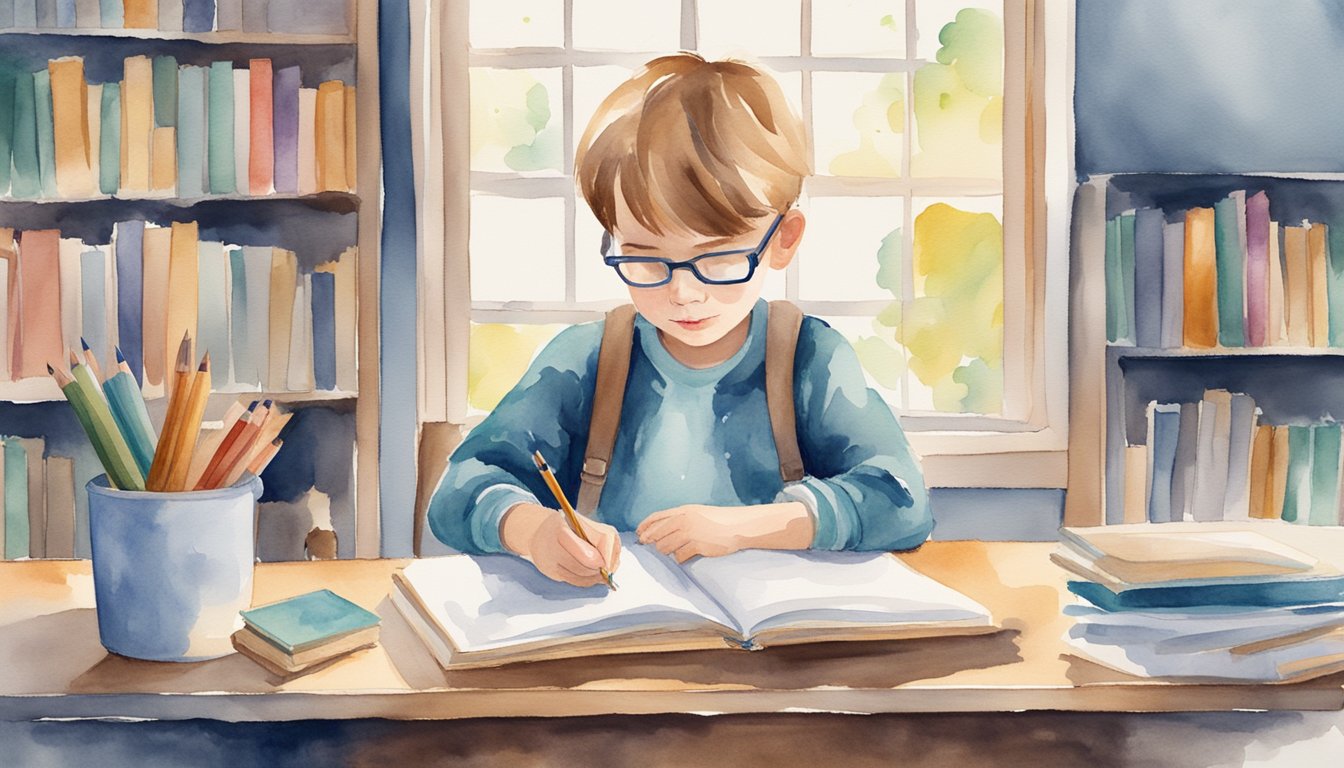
(54, 666)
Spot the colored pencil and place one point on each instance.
(571, 517)
(91, 360)
(263, 458)
(249, 443)
(163, 453)
(130, 413)
(190, 428)
(94, 416)
(206, 450)
(227, 449)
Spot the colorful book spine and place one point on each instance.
(111, 14)
(308, 141)
(7, 77)
(170, 15)
(26, 178)
(324, 330)
(16, 499)
(283, 287)
(163, 160)
(39, 301)
(1278, 481)
(347, 312)
(93, 105)
(198, 15)
(240, 336)
(213, 309)
(1164, 423)
(1297, 489)
(1148, 274)
(129, 243)
(1325, 455)
(1173, 279)
(109, 140)
(191, 131)
(1262, 462)
(261, 143)
(1297, 285)
(1335, 281)
(1276, 331)
(60, 511)
(1318, 259)
(70, 128)
(300, 378)
(259, 265)
(46, 134)
(331, 148)
(285, 127)
(183, 282)
(1200, 282)
(156, 266)
(12, 340)
(1116, 331)
(138, 122)
(351, 147)
(93, 283)
(165, 91)
(70, 258)
(1230, 269)
(242, 128)
(141, 14)
(1257, 269)
(221, 129)
(5, 372)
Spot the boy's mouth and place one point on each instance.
(693, 324)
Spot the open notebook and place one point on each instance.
(476, 611)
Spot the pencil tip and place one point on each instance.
(266, 404)
(120, 357)
(205, 362)
(74, 359)
(50, 371)
(253, 406)
(84, 343)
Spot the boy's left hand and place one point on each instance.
(699, 529)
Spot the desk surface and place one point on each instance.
(54, 666)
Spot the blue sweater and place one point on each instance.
(693, 436)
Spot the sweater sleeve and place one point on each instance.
(492, 470)
(863, 484)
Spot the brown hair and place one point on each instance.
(692, 144)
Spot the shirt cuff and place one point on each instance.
(488, 513)
(832, 516)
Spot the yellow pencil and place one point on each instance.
(571, 516)
(163, 452)
(190, 428)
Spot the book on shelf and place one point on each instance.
(315, 17)
(1148, 277)
(1229, 235)
(37, 494)
(750, 599)
(1256, 226)
(298, 633)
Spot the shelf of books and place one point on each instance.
(189, 167)
(1224, 353)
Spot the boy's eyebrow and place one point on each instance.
(702, 245)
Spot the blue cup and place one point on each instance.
(171, 571)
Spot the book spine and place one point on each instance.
(1173, 278)
(66, 14)
(1297, 490)
(33, 447)
(9, 264)
(1257, 269)
(39, 301)
(6, 126)
(1325, 452)
(5, 372)
(1278, 484)
(283, 287)
(258, 265)
(1211, 463)
(1297, 286)
(229, 15)
(300, 377)
(170, 15)
(141, 14)
(26, 179)
(163, 160)
(109, 140)
(285, 116)
(111, 14)
(157, 258)
(1335, 281)
(88, 14)
(93, 105)
(93, 291)
(261, 143)
(16, 499)
(1262, 450)
(213, 312)
(1115, 297)
(240, 337)
(324, 330)
(6, 21)
(129, 243)
(242, 128)
(308, 141)
(1241, 431)
(46, 134)
(1200, 283)
(254, 16)
(1164, 424)
(183, 282)
(46, 14)
(71, 256)
(198, 15)
(1148, 273)
(347, 309)
(220, 115)
(165, 91)
(321, 17)
(25, 14)
(191, 131)
(1276, 332)
(351, 152)
(1318, 258)
(70, 127)
(138, 111)
(1230, 260)
(60, 492)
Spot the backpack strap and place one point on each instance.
(613, 367)
(781, 342)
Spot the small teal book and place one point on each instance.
(240, 333)
(191, 131)
(46, 133)
(1297, 493)
(1229, 236)
(109, 141)
(220, 116)
(26, 181)
(165, 91)
(1334, 280)
(1325, 474)
(6, 123)
(16, 499)
(1262, 594)
(309, 620)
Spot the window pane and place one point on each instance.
(515, 120)
(882, 358)
(851, 250)
(858, 122)
(512, 23)
(517, 249)
(621, 25)
(591, 86)
(953, 330)
(958, 99)
(593, 280)
(750, 28)
(858, 28)
(498, 358)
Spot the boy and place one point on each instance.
(692, 167)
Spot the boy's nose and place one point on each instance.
(685, 287)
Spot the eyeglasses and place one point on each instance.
(715, 268)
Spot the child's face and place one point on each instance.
(692, 313)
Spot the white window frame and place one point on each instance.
(1026, 447)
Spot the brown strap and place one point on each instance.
(613, 367)
(781, 341)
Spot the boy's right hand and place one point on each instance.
(542, 536)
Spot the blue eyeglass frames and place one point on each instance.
(715, 268)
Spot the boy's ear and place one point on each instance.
(788, 238)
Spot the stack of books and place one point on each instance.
(37, 495)
(1255, 601)
(299, 633)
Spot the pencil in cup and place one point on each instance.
(190, 428)
(97, 422)
(227, 450)
(571, 516)
(177, 398)
(130, 413)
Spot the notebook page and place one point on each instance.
(485, 602)
(764, 589)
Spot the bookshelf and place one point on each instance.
(1294, 374)
(310, 213)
